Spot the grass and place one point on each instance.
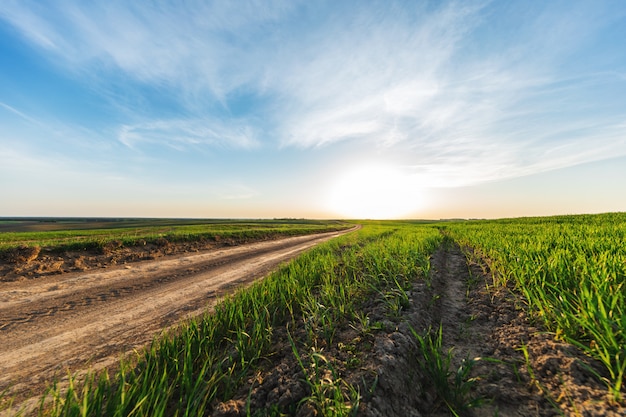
(208, 359)
(141, 233)
(325, 385)
(453, 387)
(571, 271)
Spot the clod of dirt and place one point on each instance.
(54, 266)
(23, 255)
(110, 247)
(162, 242)
(78, 263)
(230, 408)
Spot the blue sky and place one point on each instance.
(312, 108)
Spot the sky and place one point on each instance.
(316, 109)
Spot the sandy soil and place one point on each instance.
(69, 322)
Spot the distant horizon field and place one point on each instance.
(42, 224)
(108, 219)
(95, 235)
(33, 224)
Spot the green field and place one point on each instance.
(211, 357)
(569, 272)
(80, 234)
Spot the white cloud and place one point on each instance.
(196, 47)
(449, 85)
(470, 118)
(185, 133)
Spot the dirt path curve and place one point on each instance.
(77, 321)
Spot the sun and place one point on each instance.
(374, 192)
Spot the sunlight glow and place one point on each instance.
(374, 192)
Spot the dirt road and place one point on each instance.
(72, 322)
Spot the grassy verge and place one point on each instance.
(208, 359)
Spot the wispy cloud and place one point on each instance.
(467, 117)
(184, 133)
(196, 56)
(429, 81)
(196, 47)
(22, 115)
